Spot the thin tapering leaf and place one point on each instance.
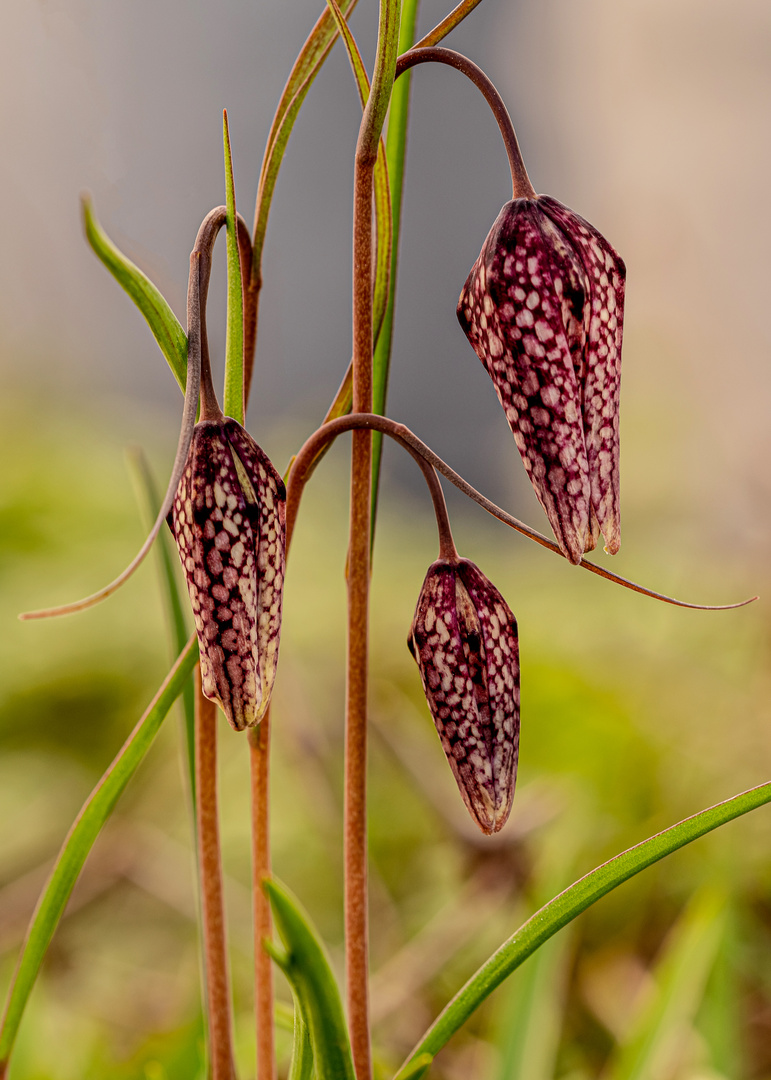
(301, 1067)
(571, 903)
(174, 601)
(456, 16)
(307, 968)
(164, 324)
(384, 223)
(234, 335)
(307, 66)
(79, 842)
(396, 150)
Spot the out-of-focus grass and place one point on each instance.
(634, 715)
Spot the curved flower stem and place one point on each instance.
(520, 181)
(212, 904)
(308, 456)
(259, 760)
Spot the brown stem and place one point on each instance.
(309, 453)
(221, 1065)
(520, 181)
(259, 755)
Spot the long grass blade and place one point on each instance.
(571, 903)
(79, 842)
(234, 334)
(164, 324)
(306, 965)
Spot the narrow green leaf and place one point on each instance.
(681, 976)
(396, 150)
(306, 966)
(384, 223)
(175, 603)
(301, 1067)
(306, 67)
(571, 903)
(161, 319)
(79, 842)
(418, 1068)
(234, 336)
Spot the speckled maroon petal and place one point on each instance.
(500, 643)
(271, 553)
(517, 310)
(606, 273)
(461, 649)
(223, 536)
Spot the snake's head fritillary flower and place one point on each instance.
(543, 310)
(464, 639)
(229, 521)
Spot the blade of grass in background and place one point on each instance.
(571, 903)
(79, 842)
(164, 324)
(384, 222)
(174, 601)
(719, 1021)
(234, 335)
(396, 150)
(306, 67)
(307, 968)
(681, 976)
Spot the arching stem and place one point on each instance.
(307, 457)
(520, 181)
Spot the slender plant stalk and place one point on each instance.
(355, 826)
(457, 15)
(313, 448)
(259, 759)
(221, 1066)
(520, 181)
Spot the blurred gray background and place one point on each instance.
(649, 117)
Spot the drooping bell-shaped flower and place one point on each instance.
(464, 639)
(229, 521)
(543, 310)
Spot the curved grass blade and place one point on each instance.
(396, 150)
(301, 1067)
(382, 193)
(448, 23)
(306, 67)
(571, 903)
(164, 324)
(306, 965)
(175, 603)
(79, 842)
(234, 335)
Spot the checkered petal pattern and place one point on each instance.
(543, 310)
(229, 521)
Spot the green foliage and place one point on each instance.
(234, 337)
(306, 966)
(161, 319)
(79, 842)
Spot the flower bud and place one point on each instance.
(229, 521)
(543, 310)
(464, 639)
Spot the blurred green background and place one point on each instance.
(649, 118)
(633, 715)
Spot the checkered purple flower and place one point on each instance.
(464, 639)
(543, 310)
(229, 521)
